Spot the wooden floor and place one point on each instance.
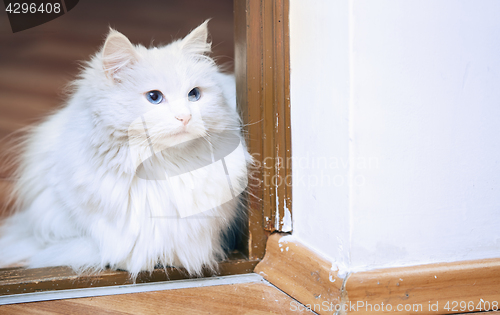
(247, 298)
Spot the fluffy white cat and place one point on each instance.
(143, 166)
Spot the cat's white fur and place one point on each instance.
(81, 202)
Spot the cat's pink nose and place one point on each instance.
(184, 118)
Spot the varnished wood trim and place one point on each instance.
(20, 280)
(300, 273)
(427, 285)
(262, 67)
(308, 278)
(248, 80)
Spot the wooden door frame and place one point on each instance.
(262, 66)
(263, 97)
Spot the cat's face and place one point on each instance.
(170, 93)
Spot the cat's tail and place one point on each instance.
(80, 253)
(19, 246)
(16, 245)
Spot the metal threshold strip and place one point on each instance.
(129, 288)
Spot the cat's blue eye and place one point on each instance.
(194, 95)
(154, 97)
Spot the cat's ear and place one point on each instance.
(117, 53)
(196, 42)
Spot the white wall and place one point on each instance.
(409, 93)
(319, 111)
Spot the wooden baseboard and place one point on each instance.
(443, 288)
(297, 271)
